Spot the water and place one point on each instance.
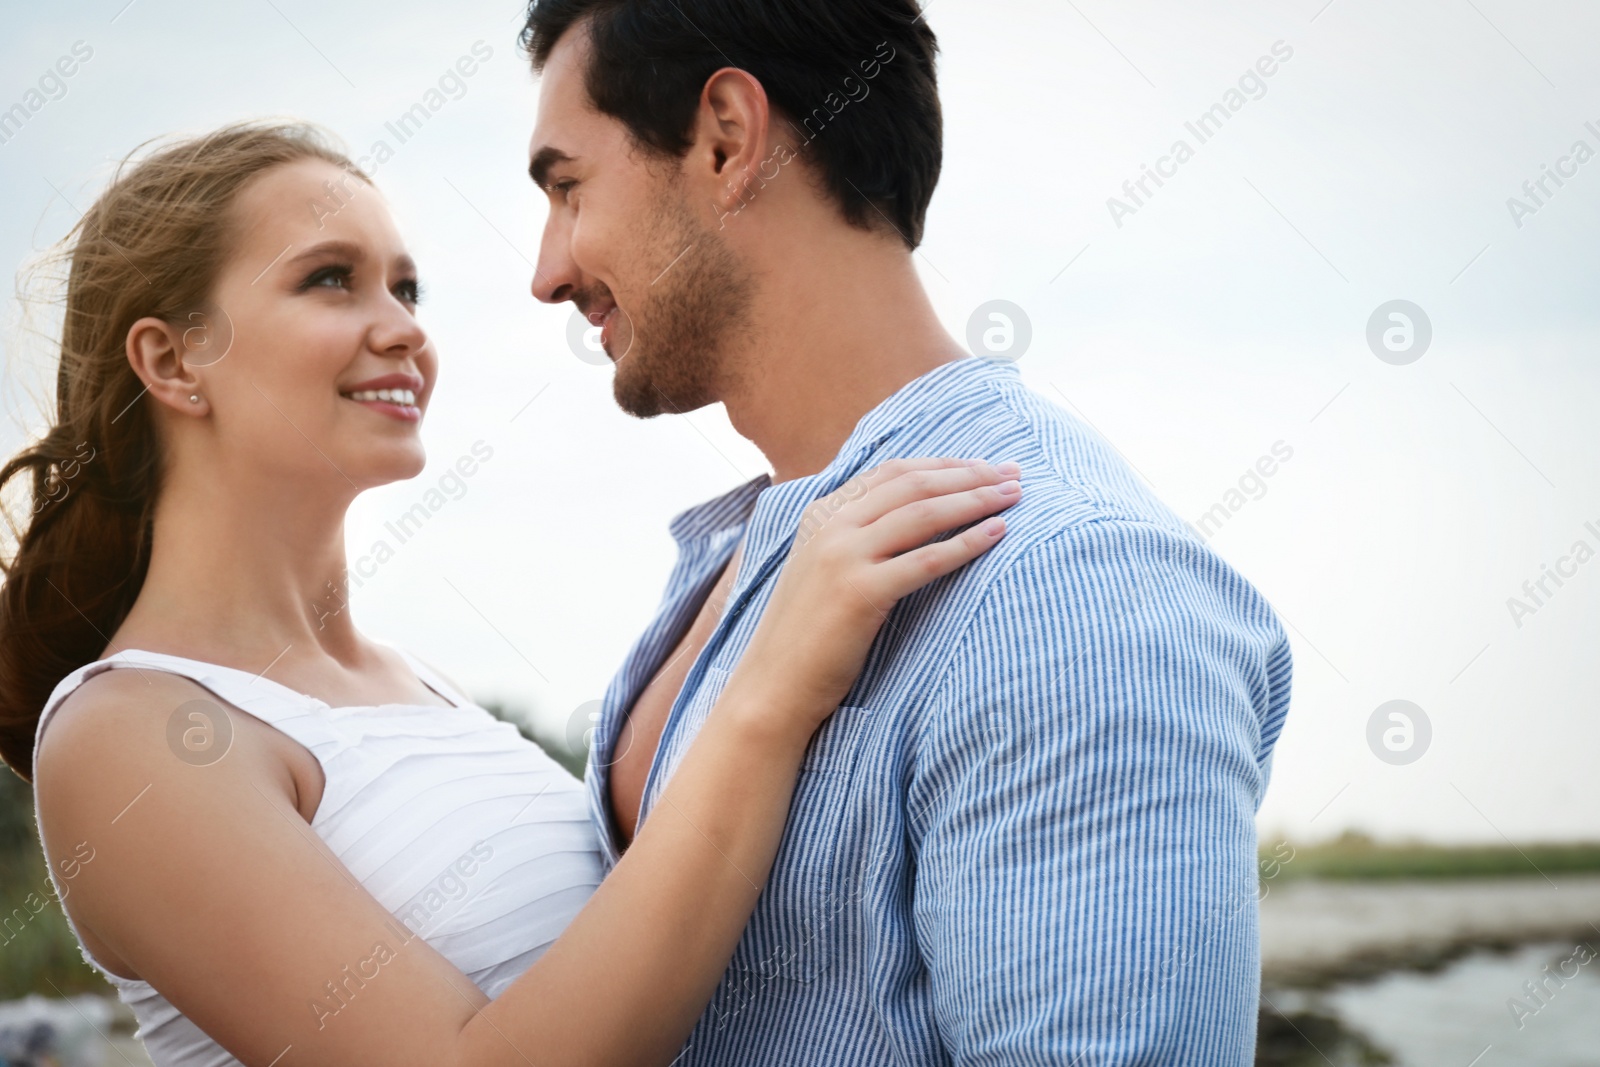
(1461, 1016)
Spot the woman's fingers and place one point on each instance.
(915, 485)
(910, 571)
(896, 483)
(916, 522)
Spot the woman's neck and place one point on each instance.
(240, 574)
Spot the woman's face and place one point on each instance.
(311, 361)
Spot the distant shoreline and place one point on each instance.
(1355, 857)
(1321, 932)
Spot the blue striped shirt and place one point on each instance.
(1027, 836)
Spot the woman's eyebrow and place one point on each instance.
(347, 249)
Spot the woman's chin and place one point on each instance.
(397, 465)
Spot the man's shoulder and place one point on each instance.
(1072, 476)
(1093, 559)
(1089, 532)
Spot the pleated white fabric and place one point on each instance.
(471, 835)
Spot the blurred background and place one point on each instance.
(1323, 271)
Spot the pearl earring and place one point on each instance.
(194, 398)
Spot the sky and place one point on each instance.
(1361, 160)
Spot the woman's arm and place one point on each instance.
(212, 887)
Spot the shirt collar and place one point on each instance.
(939, 387)
(779, 505)
(728, 511)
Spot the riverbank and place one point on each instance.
(1319, 933)
(1423, 971)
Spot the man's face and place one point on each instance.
(628, 242)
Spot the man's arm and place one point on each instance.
(1083, 803)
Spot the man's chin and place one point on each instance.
(643, 397)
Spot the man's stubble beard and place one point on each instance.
(681, 352)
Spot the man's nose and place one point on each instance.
(556, 276)
(551, 288)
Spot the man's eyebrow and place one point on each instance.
(543, 160)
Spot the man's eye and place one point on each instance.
(564, 186)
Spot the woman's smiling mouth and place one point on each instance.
(394, 395)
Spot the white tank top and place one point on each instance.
(410, 791)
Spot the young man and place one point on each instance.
(1028, 835)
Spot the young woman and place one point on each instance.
(286, 843)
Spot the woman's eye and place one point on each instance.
(319, 278)
(410, 291)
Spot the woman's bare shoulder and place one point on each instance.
(129, 730)
(113, 716)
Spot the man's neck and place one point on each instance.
(841, 329)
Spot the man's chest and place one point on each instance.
(640, 731)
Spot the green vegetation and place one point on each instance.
(37, 949)
(1355, 856)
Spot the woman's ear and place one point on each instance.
(171, 358)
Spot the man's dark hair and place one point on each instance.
(855, 78)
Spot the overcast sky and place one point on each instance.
(1199, 326)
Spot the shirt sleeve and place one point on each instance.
(1082, 807)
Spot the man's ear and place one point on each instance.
(731, 131)
(156, 351)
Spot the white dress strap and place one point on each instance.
(435, 681)
(297, 714)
